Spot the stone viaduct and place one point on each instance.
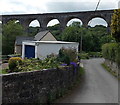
(63, 18)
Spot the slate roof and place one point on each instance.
(40, 35)
(37, 37)
(20, 39)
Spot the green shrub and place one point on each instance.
(83, 55)
(111, 51)
(95, 54)
(118, 55)
(38, 64)
(67, 59)
(71, 53)
(14, 62)
(67, 55)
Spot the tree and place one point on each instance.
(55, 30)
(54, 27)
(10, 31)
(115, 25)
(76, 24)
(32, 31)
(92, 38)
(71, 34)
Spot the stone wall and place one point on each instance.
(37, 86)
(113, 66)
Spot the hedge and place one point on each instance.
(111, 51)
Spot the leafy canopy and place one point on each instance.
(92, 38)
(10, 31)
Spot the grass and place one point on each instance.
(82, 70)
(80, 77)
(109, 70)
(3, 71)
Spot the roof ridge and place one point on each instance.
(41, 34)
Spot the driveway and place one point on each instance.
(98, 85)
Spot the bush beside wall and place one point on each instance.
(111, 53)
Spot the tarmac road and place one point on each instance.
(98, 85)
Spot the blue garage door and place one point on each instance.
(29, 51)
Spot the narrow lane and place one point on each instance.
(98, 85)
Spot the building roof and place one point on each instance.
(40, 35)
(20, 39)
(37, 37)
(51, 42)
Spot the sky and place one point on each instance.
(54, 6)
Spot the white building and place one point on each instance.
(40, 49)
(41, 36)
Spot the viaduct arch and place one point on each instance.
(63, 18)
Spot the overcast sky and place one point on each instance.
(51, 6)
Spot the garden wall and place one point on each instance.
(37, 86)
(113, 66)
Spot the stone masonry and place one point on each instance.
(40, 86)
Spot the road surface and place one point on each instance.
(98, 85)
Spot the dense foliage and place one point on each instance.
(10, 31)
(18, 65)
(13, 63)
(92, 37)
(64, 58)
(95, 54)
(83, 55)
(111, 51)
(32, 31)
(67, 55)
(71, 34)
(55, 30)
(115, 25)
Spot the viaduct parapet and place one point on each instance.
(63, 18)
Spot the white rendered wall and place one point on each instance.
(46, 49)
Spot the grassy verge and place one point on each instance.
(79, 79)
(109, 70)
(82, 70)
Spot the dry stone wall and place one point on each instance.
(37, 86)
(113, 66)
